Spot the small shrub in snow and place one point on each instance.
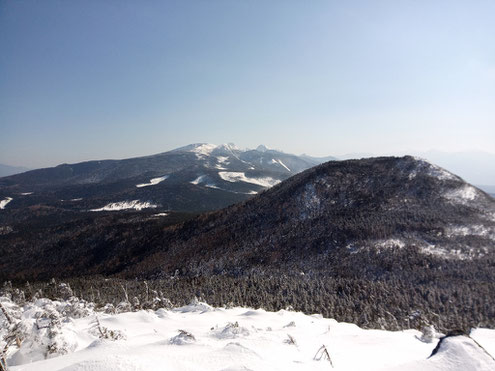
(136, 305)
(290, 340)
(64, 291)
(75, 308)
(105, 333)
(183, 338)
(322, 354)
(428, 334)
(290, 324)
(109, 309)
(123, 306)
(231, 331)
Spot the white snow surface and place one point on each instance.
(4, 202)
(276, 161)
(153, 181)
(200, 179)
(463, 194)
(232, 176)
(203, 150)
(432, 170)
(390, 243)
(124, 205)
(222, 159)
(471, 230)
(199, 337)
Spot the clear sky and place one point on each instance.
(113, 79)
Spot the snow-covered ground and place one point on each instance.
(231, 176)
(4, 202)
(200, 179)
(199, 337)
(274, 161)
(124, 205)
(153, 181)
(203, 150)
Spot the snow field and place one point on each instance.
(199, 337)
(231, 176)
(124, 205)
(152, 182)
(4, 202)
(273, 161)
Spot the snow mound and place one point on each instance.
(125, 205)
(231, 331)
(233, 177)
(183, 338)
(4, 202)
(153, 181)
(194, 306)
(457, 353)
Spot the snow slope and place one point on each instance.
(232, 176)
(153, 181)
(124, 205)
(4, 202)
(199, 337)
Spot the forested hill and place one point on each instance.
(385, 214)
(373, 218)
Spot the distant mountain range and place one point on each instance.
(374, 218)
(195, 178)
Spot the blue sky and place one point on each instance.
(89, 79)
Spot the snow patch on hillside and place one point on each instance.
(153, 181)
(462, 194)
(198, 336)
(274, 161)
(390, 243)
(161, 214)
(450, 253)
(126, 205)
(203, 150)
(4, 202)
(231, 176)
(470, 230)
(432, 170)
(222, 159)
(200, 179)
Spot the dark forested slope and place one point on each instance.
(379, 218)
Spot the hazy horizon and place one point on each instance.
(119, 79)
(475, 167)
